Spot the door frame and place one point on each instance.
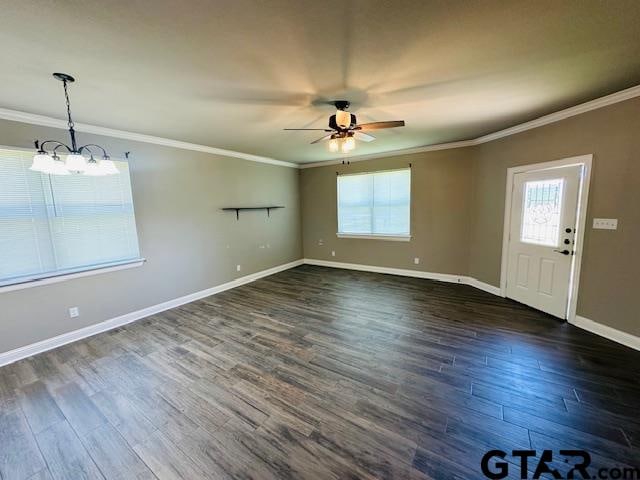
(586, 161)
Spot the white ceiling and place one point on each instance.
(232, 74)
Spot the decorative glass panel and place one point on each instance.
(541, 211)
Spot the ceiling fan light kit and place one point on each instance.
(75, 162)
(344, 129)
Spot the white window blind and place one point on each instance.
(52, 225)
(376, 203)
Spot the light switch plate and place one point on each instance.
(605, 223)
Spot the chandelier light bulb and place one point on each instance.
(58, 167)
(94, 169)
(42, 162)
(76, 163)
(333, 145)
(108, 167)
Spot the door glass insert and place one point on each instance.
(542, 207)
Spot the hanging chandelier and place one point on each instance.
(79, 160)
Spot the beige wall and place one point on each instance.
(189, 244)
(440, 214)
(458, 209)
(611, 263)
(457, 215)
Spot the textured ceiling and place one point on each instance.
(232, 74)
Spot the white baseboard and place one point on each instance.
(443, 277)
(51, 343)
(474, 282)
(605, 331)
(60, 340)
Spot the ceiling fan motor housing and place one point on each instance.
(342, 121)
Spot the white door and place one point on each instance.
(541, 238)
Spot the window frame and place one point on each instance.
(20, 283)
(370, 235)
(36, 280)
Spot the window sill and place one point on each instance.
(364, 236)
(62, 277)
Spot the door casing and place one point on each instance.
(586, 161)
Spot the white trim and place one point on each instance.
(63, 277)
(12, 356)
(48, 344)
(601, 102)
(586, 161)
(391, 153)
(474, 282)
(581, 108)
(33, 119)
(442, 277)
(605, 331)
(393, 238)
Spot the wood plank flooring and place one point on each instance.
(320, 373)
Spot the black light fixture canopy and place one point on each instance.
(64, 77)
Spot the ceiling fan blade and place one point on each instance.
(363, 137)
(379, 125)
(326, 137)
(310, 129)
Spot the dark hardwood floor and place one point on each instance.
(321, 373)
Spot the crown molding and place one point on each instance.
(601, 102)
(42, 120)
(391, 153)
(33, 119)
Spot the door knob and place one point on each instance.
(563, 252)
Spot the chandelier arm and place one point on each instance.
(61, 145)
(58, 145)
(104, 152)
(86, 147)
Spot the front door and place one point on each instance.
(542, 232)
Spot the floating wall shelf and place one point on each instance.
(238, 209)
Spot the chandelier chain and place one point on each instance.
(66, 96)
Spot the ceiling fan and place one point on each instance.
(344, 129)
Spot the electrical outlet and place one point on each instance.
(74, 312)
(605, 223)
(416, 260)
(237, 268)
(321, 242)
(333, 253)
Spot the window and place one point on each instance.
(541, 212)
(53, 225)
(375, 204)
